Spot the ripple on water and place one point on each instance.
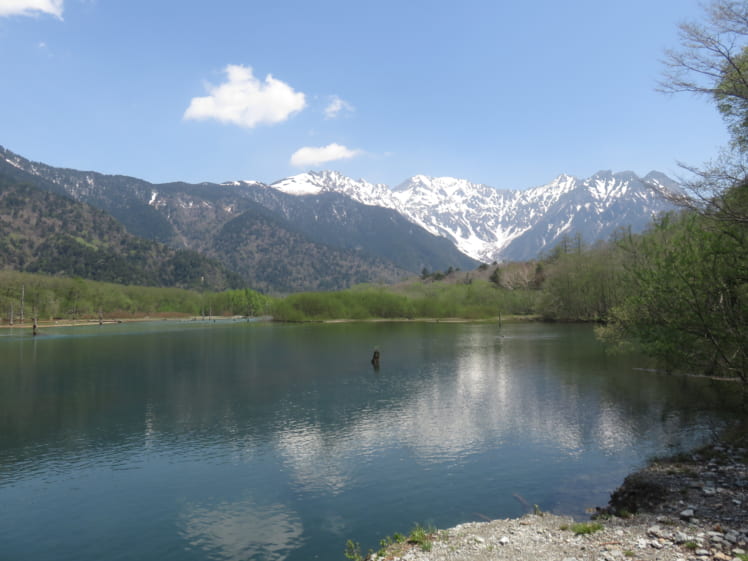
(241, 529)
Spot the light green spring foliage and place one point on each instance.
(583, 284)
(687, 295)
(477, 300)
(65, 298)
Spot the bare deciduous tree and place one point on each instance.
(710, 53)
(713, 61)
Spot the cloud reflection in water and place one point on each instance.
(495, 391)
(242, 530)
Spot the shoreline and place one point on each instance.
(89, 322)
(689, 507)
(189, 318)
(496, 319)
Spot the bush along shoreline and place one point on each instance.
(688, 507)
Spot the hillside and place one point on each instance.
(44, 232)
(285, 243)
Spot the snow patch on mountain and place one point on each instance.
(483, 222)
(490, 224)
(242, 183)
(14, 163)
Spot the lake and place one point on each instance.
(248, 440)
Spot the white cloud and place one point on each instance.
(246, 101)
(335, 107)
(30, 7)
(314, 156)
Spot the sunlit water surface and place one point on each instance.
(241, 440)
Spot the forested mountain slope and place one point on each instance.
(44, 232)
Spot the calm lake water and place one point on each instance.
(236, 441)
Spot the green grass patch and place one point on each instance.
(397, 544)
(422, 537)
(584, 528)
(353, 551)
(389, 541)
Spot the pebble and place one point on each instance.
(680, 538)
(665, 528)
(687, 514)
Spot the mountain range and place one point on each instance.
(324, 231)
(488, 224)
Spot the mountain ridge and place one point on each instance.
(491, 224)
(423, 222)
(195, 217)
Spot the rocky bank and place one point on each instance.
(692, 507)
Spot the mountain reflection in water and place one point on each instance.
(261, 441)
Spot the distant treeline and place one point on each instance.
(24, 295)
(478, 300)
(572, 283)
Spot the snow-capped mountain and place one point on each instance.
(423, 222)
(273, 240)
(490, 224)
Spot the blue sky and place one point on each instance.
(505, 93)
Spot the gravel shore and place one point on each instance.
(688, 508)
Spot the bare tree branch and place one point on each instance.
(713, 61)
(710, 53)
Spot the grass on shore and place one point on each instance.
(583, 528)
(421, 536)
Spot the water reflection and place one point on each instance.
(535, 387)
(315, 458)
(240, 530)
(489, 393)
(559, 398)
(279, 442)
